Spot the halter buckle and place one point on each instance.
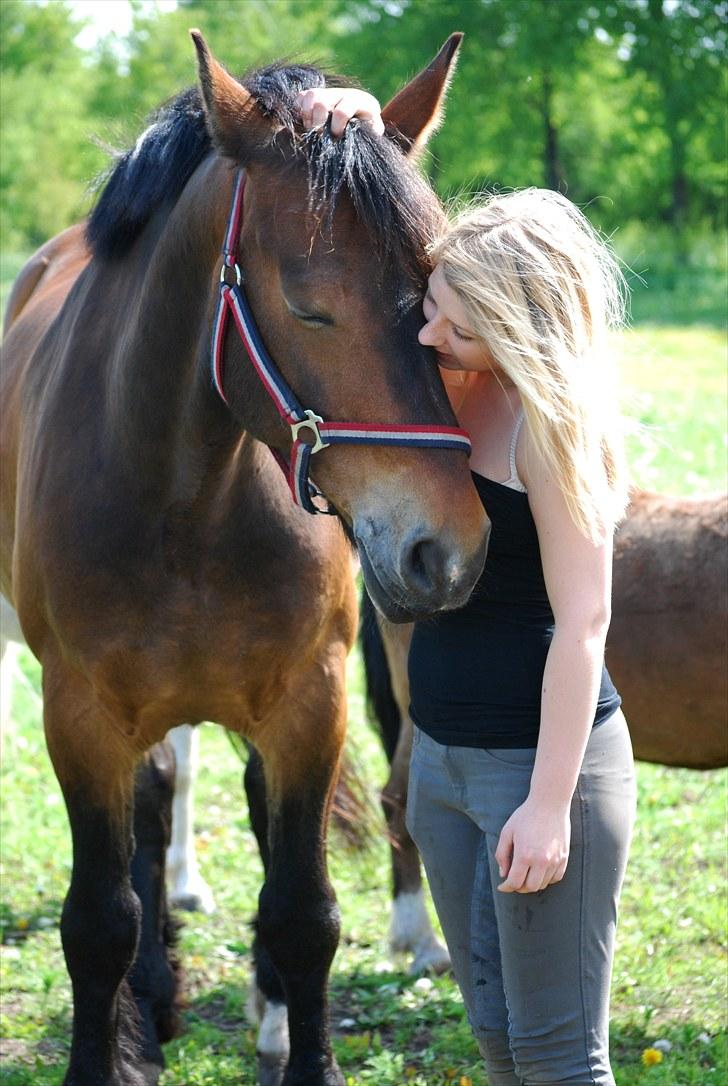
(311, 422)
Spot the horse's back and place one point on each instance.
(35, 300)
(668, 638)
(58, 261)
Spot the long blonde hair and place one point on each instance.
(542, 290)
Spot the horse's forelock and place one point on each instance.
(276, 87)
(391, 199)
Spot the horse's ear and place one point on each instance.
(236, 124)
(416, 111)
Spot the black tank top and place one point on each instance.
(476, 674)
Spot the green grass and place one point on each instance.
(669, 980)
(675, 394)
(670, 971)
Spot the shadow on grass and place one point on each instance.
(16, 927)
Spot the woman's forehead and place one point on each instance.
(446, 298)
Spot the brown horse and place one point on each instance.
(667, 649)
(161, 572)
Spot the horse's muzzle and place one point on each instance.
(418, 575)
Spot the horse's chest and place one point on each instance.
(230, 654)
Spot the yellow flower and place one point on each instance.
(651, 1056)
(465, 1080)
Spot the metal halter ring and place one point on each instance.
(311, 422)
(232, 268)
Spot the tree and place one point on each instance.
(680, 47)
(46, 159)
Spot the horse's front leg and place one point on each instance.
(94, 763)
(298, 918)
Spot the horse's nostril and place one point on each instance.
(426, 565)
(418, 564)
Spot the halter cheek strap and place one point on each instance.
(319, 434)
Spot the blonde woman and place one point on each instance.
(521, 794)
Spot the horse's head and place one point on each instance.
(333, 249)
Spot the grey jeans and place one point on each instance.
(534, 969)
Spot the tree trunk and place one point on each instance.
(553, 170)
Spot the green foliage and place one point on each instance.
(619, 104)
(46, 157)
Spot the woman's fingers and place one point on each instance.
(342, 104)
(314, 105)
(356, 103)
(515, 880)
(524, 877)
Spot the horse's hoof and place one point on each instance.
(433, 958)
(200, 900)
(270, 1070)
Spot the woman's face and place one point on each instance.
(448, 331)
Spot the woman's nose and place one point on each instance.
(429, 335)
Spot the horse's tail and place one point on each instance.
(351, 810)
(382, 707)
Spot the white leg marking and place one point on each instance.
(187, 888)
(11, 641)
(8, 671)
(273, 1041)
(273, 1045)
(410, 929)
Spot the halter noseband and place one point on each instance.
(233, 300)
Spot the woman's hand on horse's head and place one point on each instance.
(342, 103)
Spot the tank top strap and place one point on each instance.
(513, 480)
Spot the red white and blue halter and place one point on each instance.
(233, 300)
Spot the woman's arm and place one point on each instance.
(534, 844)
(342, 103)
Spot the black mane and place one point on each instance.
(390, 198)
(152, 172)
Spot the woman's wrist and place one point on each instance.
(552, 796)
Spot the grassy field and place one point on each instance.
(670, 973)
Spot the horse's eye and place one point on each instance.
(314, 320)
(311, 320)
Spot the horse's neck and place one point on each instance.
(167, 417)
